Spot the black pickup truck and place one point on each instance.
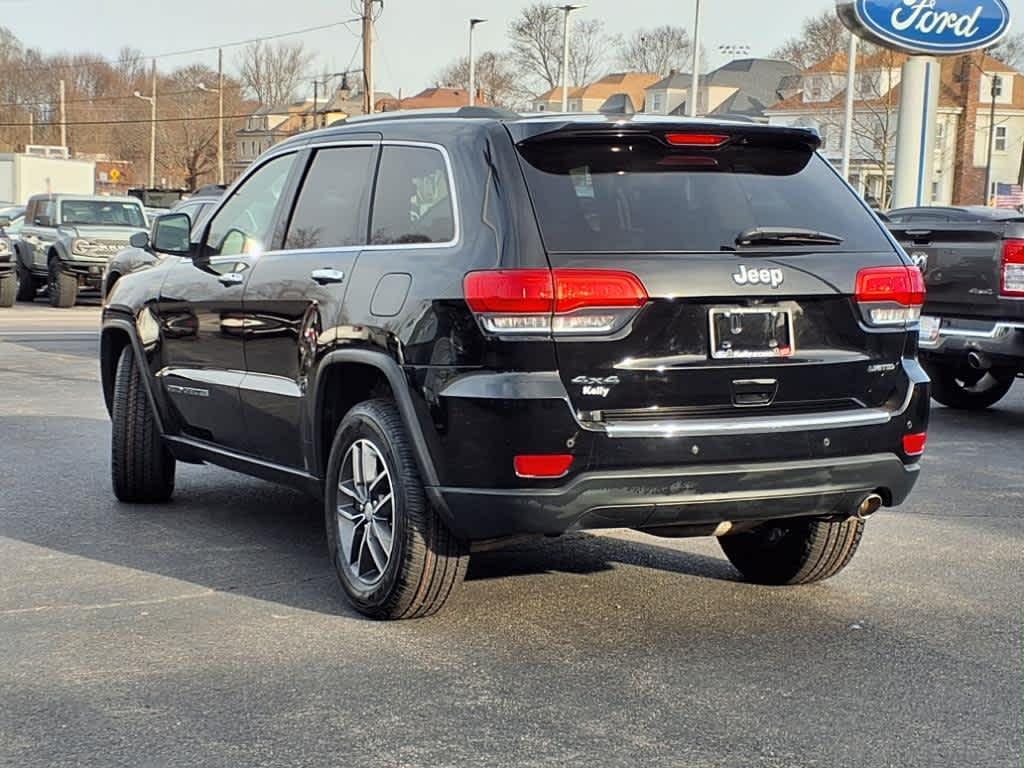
(972, 327)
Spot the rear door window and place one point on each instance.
(413, 200)
(637, 195)
(333, 207)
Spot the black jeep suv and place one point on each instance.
(459, 328)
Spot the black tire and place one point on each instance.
(141, 467)
(8, 290)
(426, 562)
(26, 284)
(798, 551)
(966, 389)
(63, 288)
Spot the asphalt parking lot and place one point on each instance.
(210, 631)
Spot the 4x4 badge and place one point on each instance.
(596, 386)
(763, 276)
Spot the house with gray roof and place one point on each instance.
(743, 88)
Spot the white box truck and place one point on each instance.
(22, 176)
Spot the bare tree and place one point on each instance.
(820, 38)
(658, 50)
(536, 36)
(273, 73)
(1011, 50)
(496, 77)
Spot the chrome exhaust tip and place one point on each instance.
(868, 506)
(978, 361)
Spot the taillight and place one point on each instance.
(890, 296)
(548, 465)
(913, 445)
(1012, 282)
(561, 301)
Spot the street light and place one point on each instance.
(152, 133)
(220, 127)
(472, 62)
(567, 9)
(695, 66)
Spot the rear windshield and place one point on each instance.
(102, 213)
(637, 195)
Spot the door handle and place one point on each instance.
(325, 276)
(231, 278)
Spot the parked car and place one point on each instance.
(972, 331)
(140, 253)
(459, 328)
(67, 240)
(11, 219)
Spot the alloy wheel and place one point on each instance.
(366, 513)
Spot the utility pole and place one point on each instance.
(220, 115)
(695, 66)
(368, 56)
(31, 128)
(316, 100)
(152, 133)
(991, 138)
(63, 118)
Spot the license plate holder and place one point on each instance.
(739, 333)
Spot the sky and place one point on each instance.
(416, 38)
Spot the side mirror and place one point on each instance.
(139, 240)
(171, 234)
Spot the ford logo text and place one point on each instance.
(941, 27)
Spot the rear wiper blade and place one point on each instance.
(785, 236)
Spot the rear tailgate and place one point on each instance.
(961, 263)
(726, 330)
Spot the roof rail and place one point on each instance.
(493, 113)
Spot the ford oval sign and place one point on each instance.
(937, 27)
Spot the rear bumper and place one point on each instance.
(1001, 340)
(689, 495)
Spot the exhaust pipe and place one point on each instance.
(868, 506)
(978, 361)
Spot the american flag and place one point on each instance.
(1009, 196)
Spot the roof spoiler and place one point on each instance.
(748, 134)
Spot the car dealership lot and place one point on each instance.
(212, 631)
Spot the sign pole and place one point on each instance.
(915, 139)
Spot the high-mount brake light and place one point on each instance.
(563, 302)
(1011, 281)
(890, 296)
(696, 139)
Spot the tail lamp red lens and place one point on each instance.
(709, 140)
(913, 445)
(549, 465)
(1012, 278)
(890, 295)
(559, 301)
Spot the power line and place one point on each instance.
(168, 54)
(147, 121)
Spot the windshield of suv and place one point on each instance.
(637, 195)
(102, 213)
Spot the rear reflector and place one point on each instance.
(560, 301)
(890, 295)
(543, 465)
(696, 139)
(913, 445)
(1012, 282)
